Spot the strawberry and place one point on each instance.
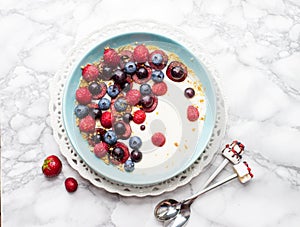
(133, 97)
(71, 184)
(101, 149)
(52, 166)
(90, 72)
(139, 116)
(83, 95)
(111, 57)
(158, 139)
(140, 53)
(192, 113)
(87, 124)
(106, 119)
(160, 88)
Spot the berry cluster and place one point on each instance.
(115, 92)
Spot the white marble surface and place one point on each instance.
(255, 47)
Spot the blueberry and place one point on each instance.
(145, 89)
(117, 153)
(81, 111)
(97, 138)
(94, 88)
(135, 142)
(119, 76)
(129, 166)
(127, 117)
(136, 155)
(157, 76)
(157, 59)
(104, 104)
(113, 91)
(119, 128)
(110, 137)
(130, 67)
(120, 104)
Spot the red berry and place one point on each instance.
(87, 124)
(106, 119)
(192, 113)
(140, 54)
(125, 149)
(101, 149)
(83, 95)
(164, 60)
(90, 72)
(160, 88)
(177, 71)
(133, 97)
(71, 184)
(111, 57)
(52, 166)
(139, 116)
(158, 139)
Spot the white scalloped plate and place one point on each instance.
(152, 187)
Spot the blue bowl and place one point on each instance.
(179, 158)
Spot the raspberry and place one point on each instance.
(160, 88)
(158, 139)
(111, 57)
(90, 72)
(101, 149)
(140, 54)
(139, 116)
(106, 119)
(87, 124)
(192, 113)
(83, 95)
(133, 97)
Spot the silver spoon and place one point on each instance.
(169, 208)
(242, 171)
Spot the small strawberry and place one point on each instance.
(101, 149)
(140, 53)
(158, 139)
(111, 57)
(133, 96)
(52, 166)
(71, 184)
(83, 95)
(90, 72)
(106, 119)
(87, 124)
(192, 113)
(160, 88)
(139, 116)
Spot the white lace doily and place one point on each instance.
(57, 90)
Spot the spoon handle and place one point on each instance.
(216, 173)
(227, 179)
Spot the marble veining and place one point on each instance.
(255, 46)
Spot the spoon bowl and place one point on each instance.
(166, 209)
